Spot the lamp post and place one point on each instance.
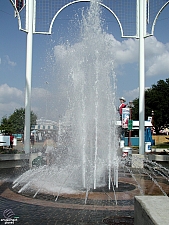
(130, 117)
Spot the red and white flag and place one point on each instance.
(19, 4)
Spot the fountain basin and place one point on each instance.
(151, 210)
(16, 160)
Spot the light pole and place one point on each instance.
(130, 120)
(152, 120)
(28, 89)
(46, 99)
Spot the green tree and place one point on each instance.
(135, 109)
(15, 122)
(158, 102)
(5, 125)
(155, 100)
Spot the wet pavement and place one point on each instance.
(100, 209)
(35, 211)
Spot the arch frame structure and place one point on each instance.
(158, 14)
(22, 14)
(145, 20)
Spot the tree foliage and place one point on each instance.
(15, 122)
(135, 109)
(155, 100)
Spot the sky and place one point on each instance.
(66, 29)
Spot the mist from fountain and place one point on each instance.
(87, 141)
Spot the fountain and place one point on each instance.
(87, 158)
(87, 141)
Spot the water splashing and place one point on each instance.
(87, 132)
(87, 144)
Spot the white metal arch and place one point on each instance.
(73, 2)
(17, 14)
(155, 20)
(57, 13)
(120, 25)
(78, 1)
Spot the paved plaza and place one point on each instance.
(102, 207)
(45, 211)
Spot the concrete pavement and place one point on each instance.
(29, 211)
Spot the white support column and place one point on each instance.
(30, 5)
(142, 32)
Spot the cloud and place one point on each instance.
(11, 63)
(39, 101)
(6, 60)
(44, 103)
(159, 66)
(10, 94)
(157, 55)
(127, 52)
(47, 102)
(7, 108)
(11, 98)
(131, 94)
(127, 62)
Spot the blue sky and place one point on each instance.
(13, 57)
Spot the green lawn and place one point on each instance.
(162, 145)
